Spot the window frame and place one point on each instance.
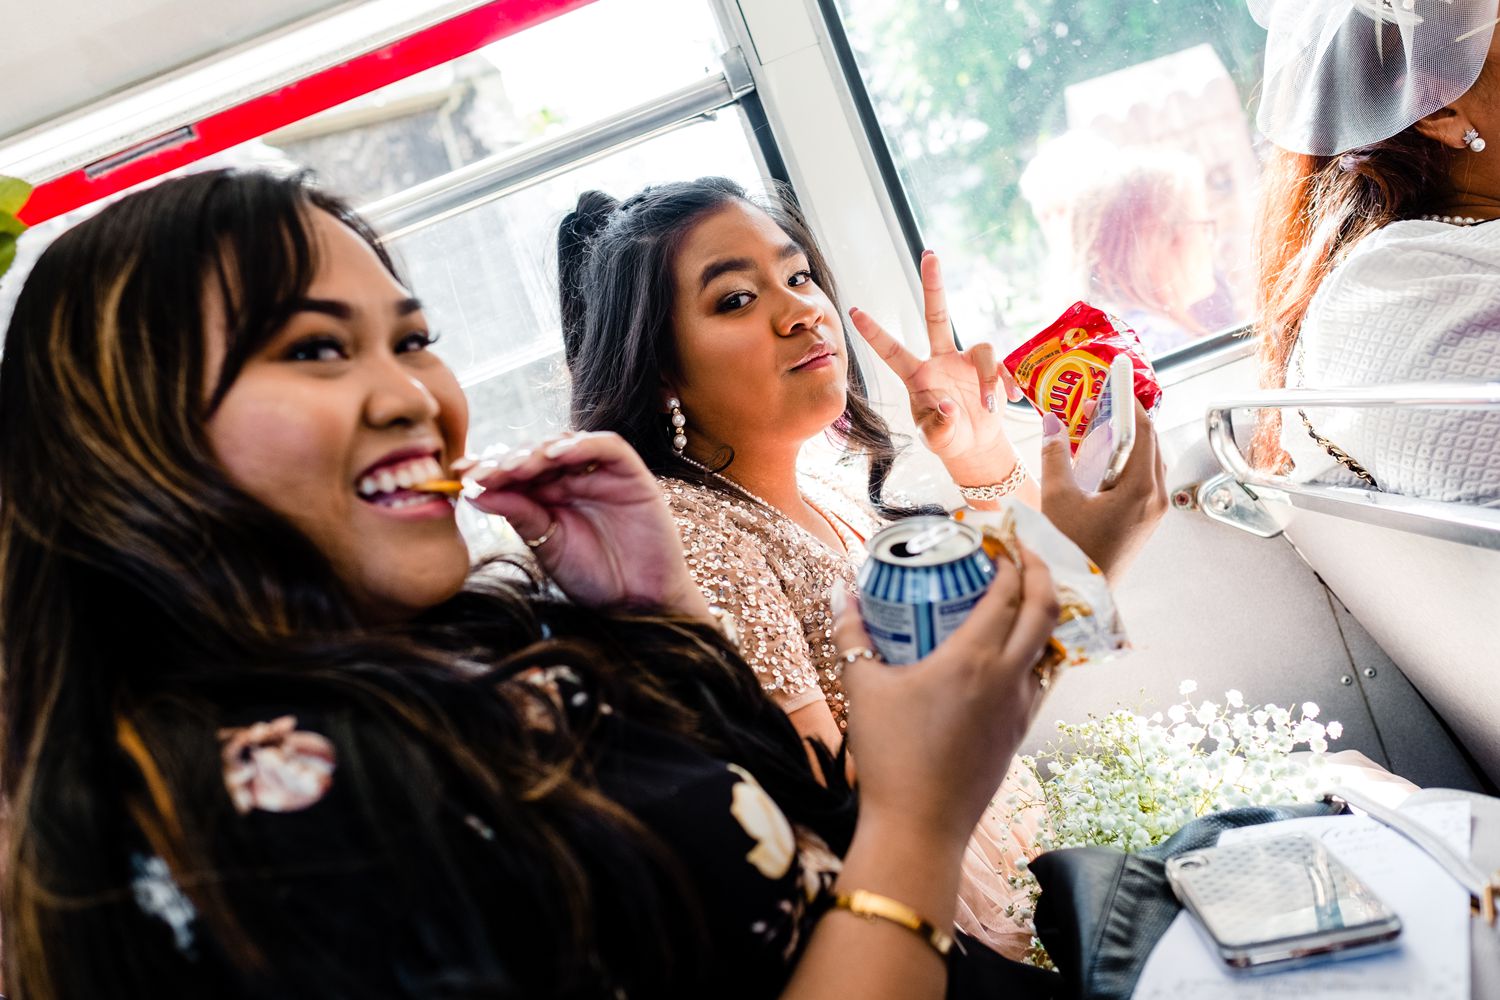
(1213, 351)
(224, 100)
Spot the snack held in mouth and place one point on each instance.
(923, 577)
(1088, 627)
(1064, 366)
(447, 487)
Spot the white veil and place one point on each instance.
(1341, 74)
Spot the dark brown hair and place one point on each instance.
(145, 602)
(616, 291)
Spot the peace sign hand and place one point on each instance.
(953, 393)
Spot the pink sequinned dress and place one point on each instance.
(773, 578)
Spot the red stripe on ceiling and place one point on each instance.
(333, 86)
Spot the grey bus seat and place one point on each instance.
(1422, 577)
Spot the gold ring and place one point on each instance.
(546, 536)
(858, 653)
(1046, 667)
(591, 467)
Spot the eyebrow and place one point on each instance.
(342, 310)
(729, 265)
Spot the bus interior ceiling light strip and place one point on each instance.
(150, 147)
(218, 82)
(279, 102)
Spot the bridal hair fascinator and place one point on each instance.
(1341, 74)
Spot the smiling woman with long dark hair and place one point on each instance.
(704, 328)
(267, 734)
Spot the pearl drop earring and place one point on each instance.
(1473, 141)
(679, 426)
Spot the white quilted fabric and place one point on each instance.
(1415, 302)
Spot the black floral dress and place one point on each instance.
(761, 880)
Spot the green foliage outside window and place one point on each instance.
(967, 89)
(13, 195)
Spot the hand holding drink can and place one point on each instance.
(923, 577)
(925, 574)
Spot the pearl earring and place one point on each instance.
(1473, 141)
(679, 426)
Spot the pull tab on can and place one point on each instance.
(930, 538)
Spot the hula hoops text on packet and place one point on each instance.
(1066, 364)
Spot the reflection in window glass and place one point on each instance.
(1073, 149)
(488, 277)
(564, 73)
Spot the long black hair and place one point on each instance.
(146, 603)
(616, 290)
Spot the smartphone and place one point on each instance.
(1105, 448)
(1280, 902)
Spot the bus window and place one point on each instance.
(489, 275)
(1083, 150)
(485, 268)
(585, 65)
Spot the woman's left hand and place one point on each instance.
(610, 540)
(954, 394)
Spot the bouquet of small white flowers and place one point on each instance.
(1130, 781)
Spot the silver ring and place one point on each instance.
(546, 536)
(858, 653)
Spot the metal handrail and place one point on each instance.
(1456, 522)
(494, 177)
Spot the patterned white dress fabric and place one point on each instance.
(1417, 301)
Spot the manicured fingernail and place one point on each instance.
(1051, 426)
(513, 460)
(462, 465)
(926, 253)
(989, 402)
(838, 600)
(478, 471)
(557, 448)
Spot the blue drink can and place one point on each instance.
(923, 577)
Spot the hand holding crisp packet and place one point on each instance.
(1088, 622)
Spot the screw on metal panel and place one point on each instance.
(1184, 500)
(1369, 671)
(1221, 500)
(1346, 680)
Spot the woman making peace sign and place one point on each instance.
(704, 329)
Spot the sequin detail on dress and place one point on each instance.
(773, 579)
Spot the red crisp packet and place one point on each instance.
(1066, 364)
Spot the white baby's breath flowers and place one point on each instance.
(1130, 781)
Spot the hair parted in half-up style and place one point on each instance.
(146, 603)
(1314, 210)
(617, 293)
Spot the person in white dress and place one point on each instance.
(1379, 253)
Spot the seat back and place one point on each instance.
(1422, 577)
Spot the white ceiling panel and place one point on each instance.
(61, 55)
